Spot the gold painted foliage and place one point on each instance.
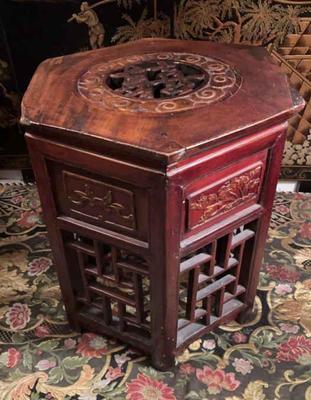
(239, 21)
(144, 27)
(253, 391)
(15, 259)
(13, 285)
(297, 308)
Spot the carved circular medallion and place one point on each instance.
(159, 83)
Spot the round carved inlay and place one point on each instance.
(159, 82)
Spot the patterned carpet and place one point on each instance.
(41, 358)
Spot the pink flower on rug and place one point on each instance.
(122, 358)
(243, 366)
(13, 357)
(299, 196)
(282, 209)
(283, 274)
(69, 343)
(44, 365)
(145, 388)
(49, 396)
(230, 383)
(42, 331)
(289, 328)
(28, 219)
(113, 373)
(92, 345)
(17, 199)
(305, 230)
(39, 265)
(186, 369)
(18, 316)
(209, 344)
(283, 288)
(217, 380)
(239, 337)
(294, 348)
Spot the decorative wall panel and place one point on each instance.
(297, 154)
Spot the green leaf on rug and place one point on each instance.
(27, 359)
(18, 337)
(35, 396)
(74, 362)
(16, 374)
(192, 395)
(56, 375)
(153, 373)
(48, 345)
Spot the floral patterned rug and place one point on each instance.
(41, 358)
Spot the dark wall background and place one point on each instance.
(31, 31)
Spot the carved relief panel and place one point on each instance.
(98, 200)
(224, 192)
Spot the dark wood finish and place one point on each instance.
(156, 165)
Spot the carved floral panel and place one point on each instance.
(224, 196)
(102, 202)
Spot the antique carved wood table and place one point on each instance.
(156, 163)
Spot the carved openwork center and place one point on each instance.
(159, 82)
(157, 79)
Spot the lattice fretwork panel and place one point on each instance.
(111, 284)
(213, 280)
(298, 43)
(300, 124)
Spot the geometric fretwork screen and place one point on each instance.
(111, 284)
(213, 280)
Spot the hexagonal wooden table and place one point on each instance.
(156, 163)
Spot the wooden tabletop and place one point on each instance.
(216, 93)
